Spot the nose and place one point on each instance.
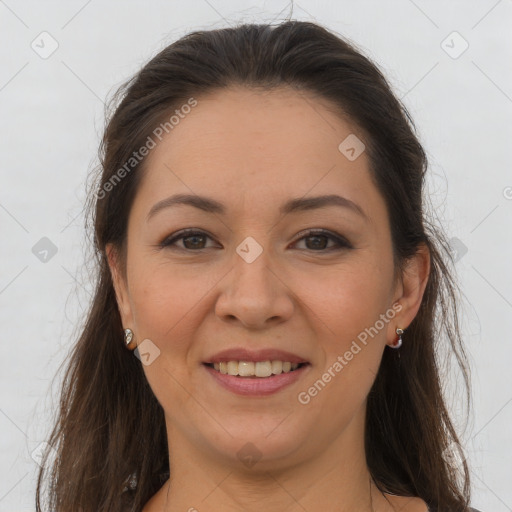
(255, 294)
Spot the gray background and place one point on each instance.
(52, 118)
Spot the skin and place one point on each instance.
(253, 151)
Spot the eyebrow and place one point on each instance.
(210, 205)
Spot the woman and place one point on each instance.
(271, 301)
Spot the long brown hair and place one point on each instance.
(109, 438)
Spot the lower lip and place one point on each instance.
(257, 386)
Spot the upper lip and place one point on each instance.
(243, 354)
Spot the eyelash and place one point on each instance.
(341, 242)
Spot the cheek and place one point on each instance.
(163, 300)
(167, 307)
(346, 300)
(346, 309)
(340, 301)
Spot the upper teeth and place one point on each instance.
(259, 369)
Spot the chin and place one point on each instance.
(259, 444)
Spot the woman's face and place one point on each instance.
(254, 279)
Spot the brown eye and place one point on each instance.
(192, 240)
(318, 241)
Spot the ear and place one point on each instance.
(120, 286)
(410, 289)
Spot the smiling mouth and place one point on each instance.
(259, 369)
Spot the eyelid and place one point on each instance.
(169, 240)
(341, 241)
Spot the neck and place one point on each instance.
(271, 492)
(337, 479)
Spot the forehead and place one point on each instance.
(257, 149)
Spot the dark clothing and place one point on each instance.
(470, 509)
